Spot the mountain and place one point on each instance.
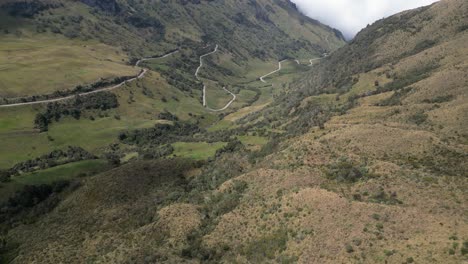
(361, 158)
(143, 26)
(263, 29)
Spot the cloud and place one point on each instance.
(350, 16)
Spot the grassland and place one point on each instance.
(253, 142)
(196, 150)
(63, 172)
(43, 64)
(60, 173)
(23, 141)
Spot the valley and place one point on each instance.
(230, 132)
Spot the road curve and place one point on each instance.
(234, 97)
(275, 71)
(140, 75)
(312, 61)
(262, 79)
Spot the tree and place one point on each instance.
(113, 159)
(41, 122)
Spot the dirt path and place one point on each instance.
(234, 97)
(262, 79)
(312, 61)
(140, 75)
(275, 71)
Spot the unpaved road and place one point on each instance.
(312, 61)
(262, 79)
(141, 75)
(234, 97)
(275, 71)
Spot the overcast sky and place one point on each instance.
(350, 16)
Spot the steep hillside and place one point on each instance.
(366, 163)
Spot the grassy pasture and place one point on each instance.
(46, 63)
(63, 172)
(196, 150)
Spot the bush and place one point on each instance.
(345, 170)
(349, 248)
(267, 247)
(382, 197)
(418, 118)
(409, 78)
(167, 116)
(464, 249)
(439, 99)
(396, 97)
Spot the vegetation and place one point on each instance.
(55, 158)
(55, 111)
(308, 163)
(418, 118)
(345, 170)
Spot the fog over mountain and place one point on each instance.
(350, 16)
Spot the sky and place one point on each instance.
(350, 16)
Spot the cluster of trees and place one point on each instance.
(27, 9)
(160, 134)
(27, 198)
(166, 115)
(55, 111)
(52, 159)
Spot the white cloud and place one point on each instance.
(350, 16)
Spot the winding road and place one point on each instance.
(275, 71)
(262, 78)
(140, 75)
(312, 61)
(234, 97)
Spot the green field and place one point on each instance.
(47, 176)
(47, 63)
(196, 150)
(136, 110)
(63, 172)
(253, 142)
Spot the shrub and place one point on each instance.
(345, 170)
(464, 249)
(418, 118)
(267, 247)
(439, 99)
(396, 97)
(409, 78)
(382, 197)
(349, 248)
(167, 116)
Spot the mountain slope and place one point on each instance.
(263, 29)
(367, 165)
